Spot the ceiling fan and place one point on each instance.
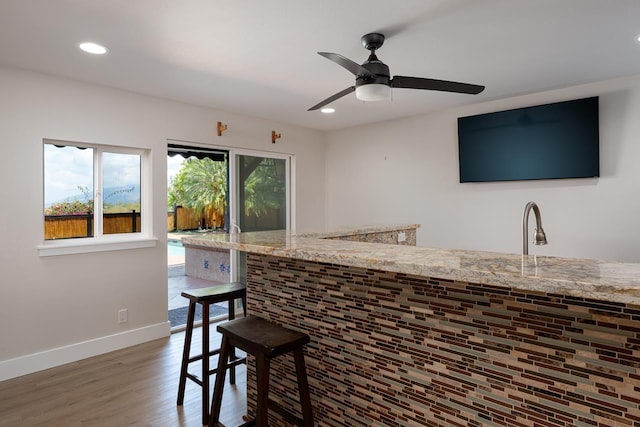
(374, 83)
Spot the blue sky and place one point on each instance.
(67, 168)
(173, 166)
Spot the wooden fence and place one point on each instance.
(186, 219)
(68, 226)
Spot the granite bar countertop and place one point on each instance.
(600, 280)
(354, 231)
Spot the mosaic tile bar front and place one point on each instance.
(392, 349)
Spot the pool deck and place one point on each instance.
(176, 278)
(178, 282)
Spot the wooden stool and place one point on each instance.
(265, 341)
(227, 292)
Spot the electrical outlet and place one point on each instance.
(123, 315)
(402, 236)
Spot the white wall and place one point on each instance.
(62, 308)
(407, 171)
(57, 309)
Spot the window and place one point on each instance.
(94, 193)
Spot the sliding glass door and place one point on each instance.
(261, 201)
(219, 190)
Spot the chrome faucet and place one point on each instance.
(540, 237)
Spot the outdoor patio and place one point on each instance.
(178, 282)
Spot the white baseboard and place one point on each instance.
(35, 362)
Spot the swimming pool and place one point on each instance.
(175, 248)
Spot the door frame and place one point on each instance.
(232, 183)
(232, 202)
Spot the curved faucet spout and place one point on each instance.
(540, 236)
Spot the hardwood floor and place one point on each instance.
(136, 386)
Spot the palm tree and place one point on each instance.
(263, 188)
(201, 185)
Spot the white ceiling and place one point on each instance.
(258, 57)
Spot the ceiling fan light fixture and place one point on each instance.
(373, 92)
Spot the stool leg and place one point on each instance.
(303, 388)
(185, 352)
(205, 362)
(232, 370)
(216, 402)
(262, 372)
(244, 304)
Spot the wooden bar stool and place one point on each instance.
(206, 296)
(265, 341)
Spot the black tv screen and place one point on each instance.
(559, 140)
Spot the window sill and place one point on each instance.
(68, 247)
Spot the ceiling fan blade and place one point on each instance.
(355, 68)
(330, 99)
(432, 84)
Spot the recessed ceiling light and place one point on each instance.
(638, 38)
(93, 48)
(328, 110)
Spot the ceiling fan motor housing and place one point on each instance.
(377, 67)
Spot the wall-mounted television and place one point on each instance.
(559, 140)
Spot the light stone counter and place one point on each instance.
(412, 336)
(607, 281)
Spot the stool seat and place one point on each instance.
(264, 340)
(254, 334)
(228, 292)
(218, 293)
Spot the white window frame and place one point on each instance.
(100, 242)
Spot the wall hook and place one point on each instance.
(221, 128)
(274, 136)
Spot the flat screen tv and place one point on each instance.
(559, 140)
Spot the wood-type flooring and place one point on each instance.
(136, 386)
